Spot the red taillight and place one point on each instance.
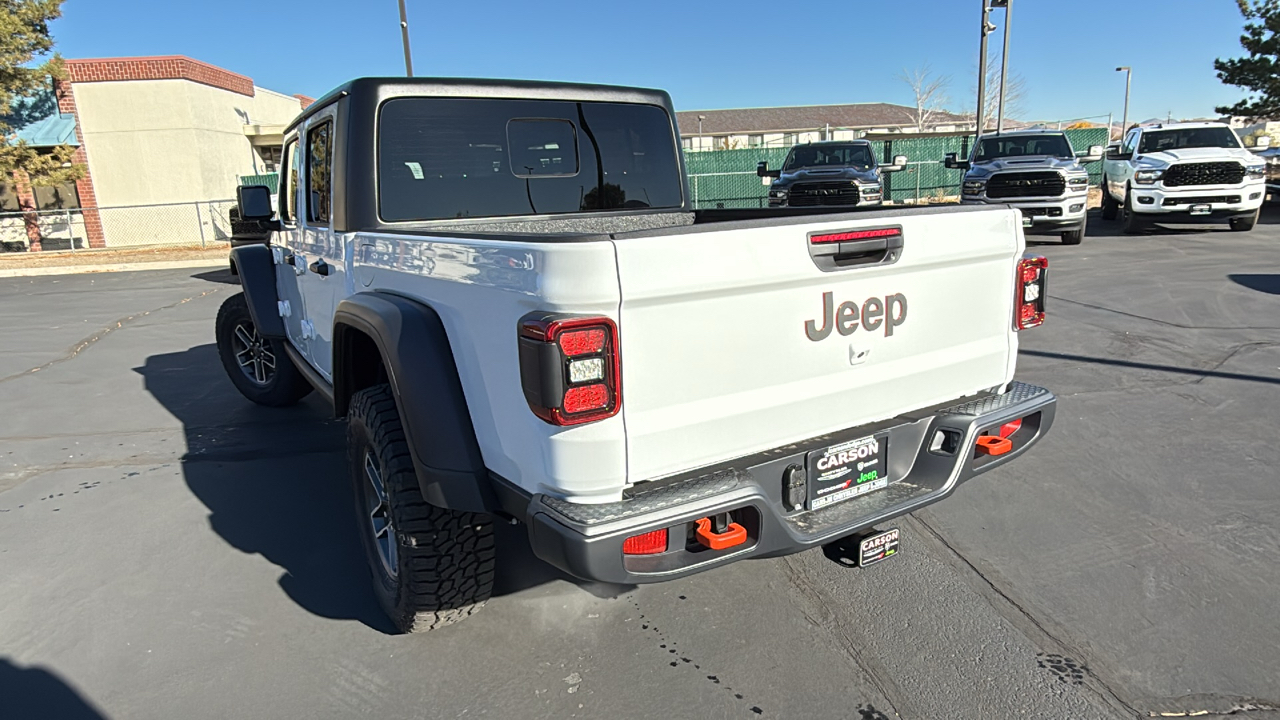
(569, 368)
(650, 543)
(855, 235)
(586, 398)
(582, 342)
(1030, 292)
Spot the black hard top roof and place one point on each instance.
(373, 90)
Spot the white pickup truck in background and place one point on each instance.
(503, 288)
(1180, 173)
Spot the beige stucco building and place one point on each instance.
(164, 139)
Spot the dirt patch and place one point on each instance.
(109, 256)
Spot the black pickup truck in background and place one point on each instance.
(832, 173)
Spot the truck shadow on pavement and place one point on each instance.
(34, 692)
(275, 483)
(1269, 283)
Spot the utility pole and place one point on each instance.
(404, 38)
(1004, 62)
(982, 68)
(1128, 80)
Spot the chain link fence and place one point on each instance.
(195, 224)
(727, 178)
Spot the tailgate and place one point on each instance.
(731, 336)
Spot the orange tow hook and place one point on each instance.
(734, 535)
(994, 444)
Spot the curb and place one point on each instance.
(113, 267)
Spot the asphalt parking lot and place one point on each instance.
(169, 550)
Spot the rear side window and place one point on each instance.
(443, 158)
(319, 173)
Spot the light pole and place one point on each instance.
(1004, 61)
(1128, 79)
(982, 68)
(404, 38)
(700, 119)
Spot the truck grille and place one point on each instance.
(1209, 173)
(1026, 184)
(840, 192)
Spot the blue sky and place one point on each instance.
(707, 54)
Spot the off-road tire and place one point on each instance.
(284, 385)
(1110, 208)
(1246, 223)
(443, 559)
(1073, 237)
(1134, 224)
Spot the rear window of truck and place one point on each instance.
(446, 158)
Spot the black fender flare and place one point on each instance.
(424, 380)
(257, 271)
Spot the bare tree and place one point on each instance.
(930, 95)
(1015, 93)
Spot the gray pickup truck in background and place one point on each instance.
(1035, 171)
(834, 173)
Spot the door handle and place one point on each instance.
(320, 267)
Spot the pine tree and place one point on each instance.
(1259, 73)
(26, 91)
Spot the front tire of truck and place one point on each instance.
(1245, 223)
(1133, 223)
(259, 367)
(1073, 237)
(431, 567)
(1110, 208)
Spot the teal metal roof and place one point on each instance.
(57, 129)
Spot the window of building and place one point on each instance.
(755, 141)
(289, 183)
(57, 197)
(9, 198)
(319, 173)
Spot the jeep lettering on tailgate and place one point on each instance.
(890, 312)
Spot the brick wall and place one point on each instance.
(84, 186)
(171, 67)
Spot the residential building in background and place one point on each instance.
(165, 141)
(787, 126)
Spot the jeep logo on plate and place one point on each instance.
(874, 313)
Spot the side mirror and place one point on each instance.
(762, 170)
(1262, 142)
(254, 202)
(1115, 153)
(1094, 154)
(952, 161)
(899, 163)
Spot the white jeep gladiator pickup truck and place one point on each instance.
(1180, 173)
(1035, 171)
(502, 287)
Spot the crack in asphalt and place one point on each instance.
(847, 644)
(1095, 683)
(1166, 323)
(1239, 706)
(87, 342)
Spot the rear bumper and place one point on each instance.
(586, 540)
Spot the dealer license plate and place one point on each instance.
(1201, 209)
(878, 547)
(847, 470)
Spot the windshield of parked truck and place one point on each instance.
(819, 156)
(444, 158)
(1003, 146)
(1154, 141)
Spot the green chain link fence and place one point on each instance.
(727, 178)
